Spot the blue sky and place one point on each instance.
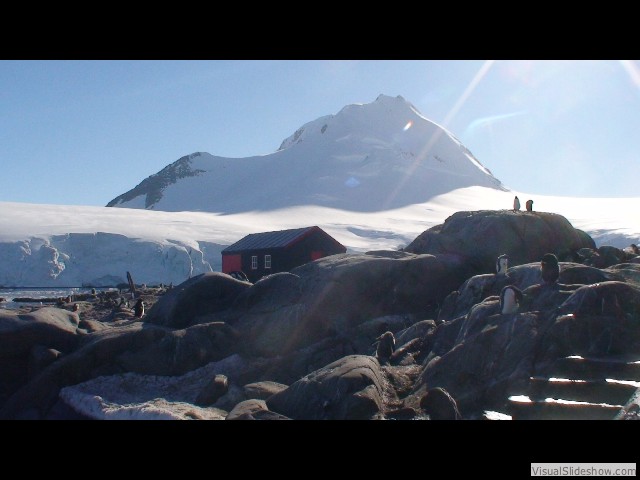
(83, 132)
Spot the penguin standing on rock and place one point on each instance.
(502, 264)
(510, 299)
(529, 205)
(139, 308)
(516, 204)
(386, 345)
(549, 268)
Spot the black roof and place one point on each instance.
(278, 239)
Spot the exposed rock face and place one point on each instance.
(439, 405)
(596, 320)
(153, 187)
(263, 390)
(239, 345)
(353, 387)
(337, 293)
(481, 236)
(480, 370)
(216, 388)
(198, 297)
(30, 342)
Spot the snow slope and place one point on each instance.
(37, 241)
(377, 156)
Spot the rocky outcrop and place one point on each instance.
(352, 388)
(32, 341)
(480, 370)
(195, 300)
(479, 237)
(334, 295)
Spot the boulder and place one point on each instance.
(253, 410)
(439, 405)
(340, 292)
(180, 351)
(596, 320)
(417, 330)
(200, 296)
(481, 236)
(353, 387)
(212, 391)
(480, 371)
(139, 347)
(263, 390)
(50, 326)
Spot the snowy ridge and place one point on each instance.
(368, 157)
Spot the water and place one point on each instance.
(10, 293)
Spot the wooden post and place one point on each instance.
(132, 286)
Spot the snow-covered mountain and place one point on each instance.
(367, 158)
(373, 176)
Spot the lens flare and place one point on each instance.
(633, 70)
(486, 66)
(408, 125)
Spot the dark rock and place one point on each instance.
(263, 390)
(271, 293)
(180, 351)
(485, 367)
(417, 330)
(546, 297)
(245, 410)
(343, 291)
(41, 357)
(439, 405)
(471, 292)
(404, 413)
(481, 236)
(213, 390)
(139, 347)
(353, 387)
(405, 354)
(200, 296)
(478, 318)
(597, 320)
(50, 326)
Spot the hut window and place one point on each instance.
(267, 261)
(254, 262)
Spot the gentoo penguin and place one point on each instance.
(510, 299)
(516, 204)
(549, 268)
(139, 308)
(502, 264)
(529, 205)
(76, 307)
(386, 345)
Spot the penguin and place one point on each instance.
(502, 264)
(510, 299)
(529, 205)
(516, 204)
(386, 345)
(76, 307)
(139, 308)
(635, 249)
(549, 268)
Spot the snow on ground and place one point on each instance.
(171, 246)
(131, 396)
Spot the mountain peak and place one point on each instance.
(367, 157)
